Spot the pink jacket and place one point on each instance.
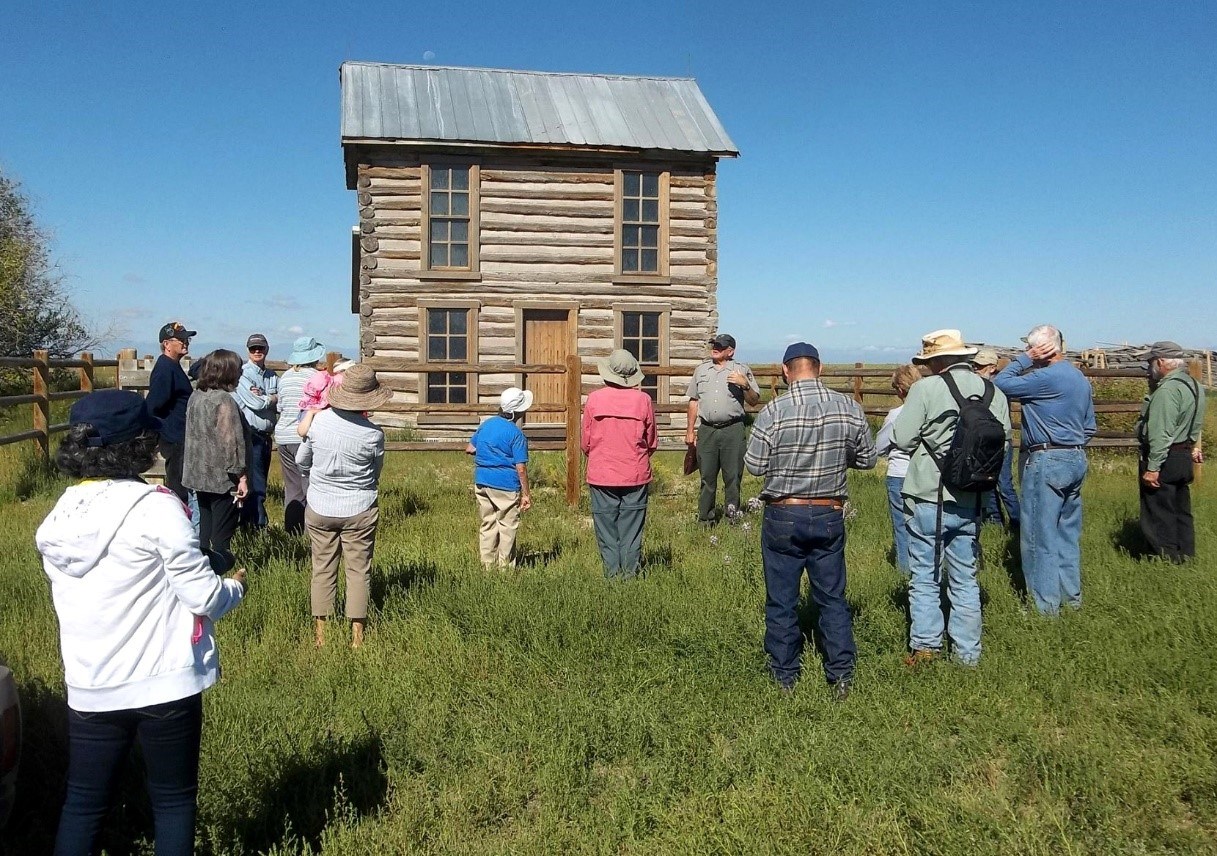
(618, 437)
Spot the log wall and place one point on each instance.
(546, 234)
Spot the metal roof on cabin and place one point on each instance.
(479, 105)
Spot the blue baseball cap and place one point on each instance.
(116, 415)
(800, 349)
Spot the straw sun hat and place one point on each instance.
(943, 343)
(360, 390)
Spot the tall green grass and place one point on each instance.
(546, 710)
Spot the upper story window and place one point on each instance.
(640, 222)
(450, 218)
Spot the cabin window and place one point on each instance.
(640, 224)
(447, 341)
(643, 332)
(450, 218)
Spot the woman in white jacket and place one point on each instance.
(135, 599)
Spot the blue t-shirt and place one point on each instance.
(500, 445)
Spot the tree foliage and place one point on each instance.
(35, 312)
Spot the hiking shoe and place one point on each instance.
(920, 657)
(840, 690)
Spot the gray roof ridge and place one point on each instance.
(425, 67)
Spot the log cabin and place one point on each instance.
(518, 217)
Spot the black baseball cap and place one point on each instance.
(175, 330)
(257, 340)
(722, 341)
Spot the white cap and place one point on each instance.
(515, 400)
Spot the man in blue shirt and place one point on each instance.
(257, 395)
(1057, 421)
(500, 477)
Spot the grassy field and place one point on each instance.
(548, 711)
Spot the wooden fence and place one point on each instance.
(859, 382)
(40, 399)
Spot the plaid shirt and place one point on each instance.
(803, 441)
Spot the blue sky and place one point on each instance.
(906, 166)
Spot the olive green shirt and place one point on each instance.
(928, 418)
(1172, 413)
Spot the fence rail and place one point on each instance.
(851, 381)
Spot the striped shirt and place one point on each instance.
(291, 388)
(342, 455)
(802, 442)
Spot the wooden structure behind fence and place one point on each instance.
(853, 382)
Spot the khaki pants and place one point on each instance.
(356, 537)
(500, 513)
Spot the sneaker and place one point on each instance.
(920, 657)
(840, 690)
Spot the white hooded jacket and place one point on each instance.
(134, 594)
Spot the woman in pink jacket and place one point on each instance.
(619, 437)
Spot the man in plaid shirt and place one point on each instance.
(802, 443)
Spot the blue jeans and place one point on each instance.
(1005, 493)
(1052, 527)
(895, 507)
(98, 744)
(253, 512)
(956, 573)
(794, 538)
(618, 515)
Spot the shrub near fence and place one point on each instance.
(1116, 415)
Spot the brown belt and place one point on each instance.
(827, 502)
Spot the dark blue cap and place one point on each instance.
(800, 349)
(117, 415)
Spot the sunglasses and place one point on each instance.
(257, 349)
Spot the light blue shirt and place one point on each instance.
(257, 409)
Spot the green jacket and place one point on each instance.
(928, 416)
(1172, 413)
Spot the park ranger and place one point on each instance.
(718, 391)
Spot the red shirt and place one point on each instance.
(618, 437)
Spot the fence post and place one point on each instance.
(86, 372)
(857, 384)
(42, 407)
(574, 403)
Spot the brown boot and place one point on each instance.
(920, 657)
(357, 633)
(319, 631)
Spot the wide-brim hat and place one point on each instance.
(359, 390)
(515, 400)
(943, 343)
(305, 350)
(620, 367)
(116, 416)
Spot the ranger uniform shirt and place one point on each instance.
(719, 402)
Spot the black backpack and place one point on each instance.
(973, 460)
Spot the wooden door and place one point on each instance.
(547, 341)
